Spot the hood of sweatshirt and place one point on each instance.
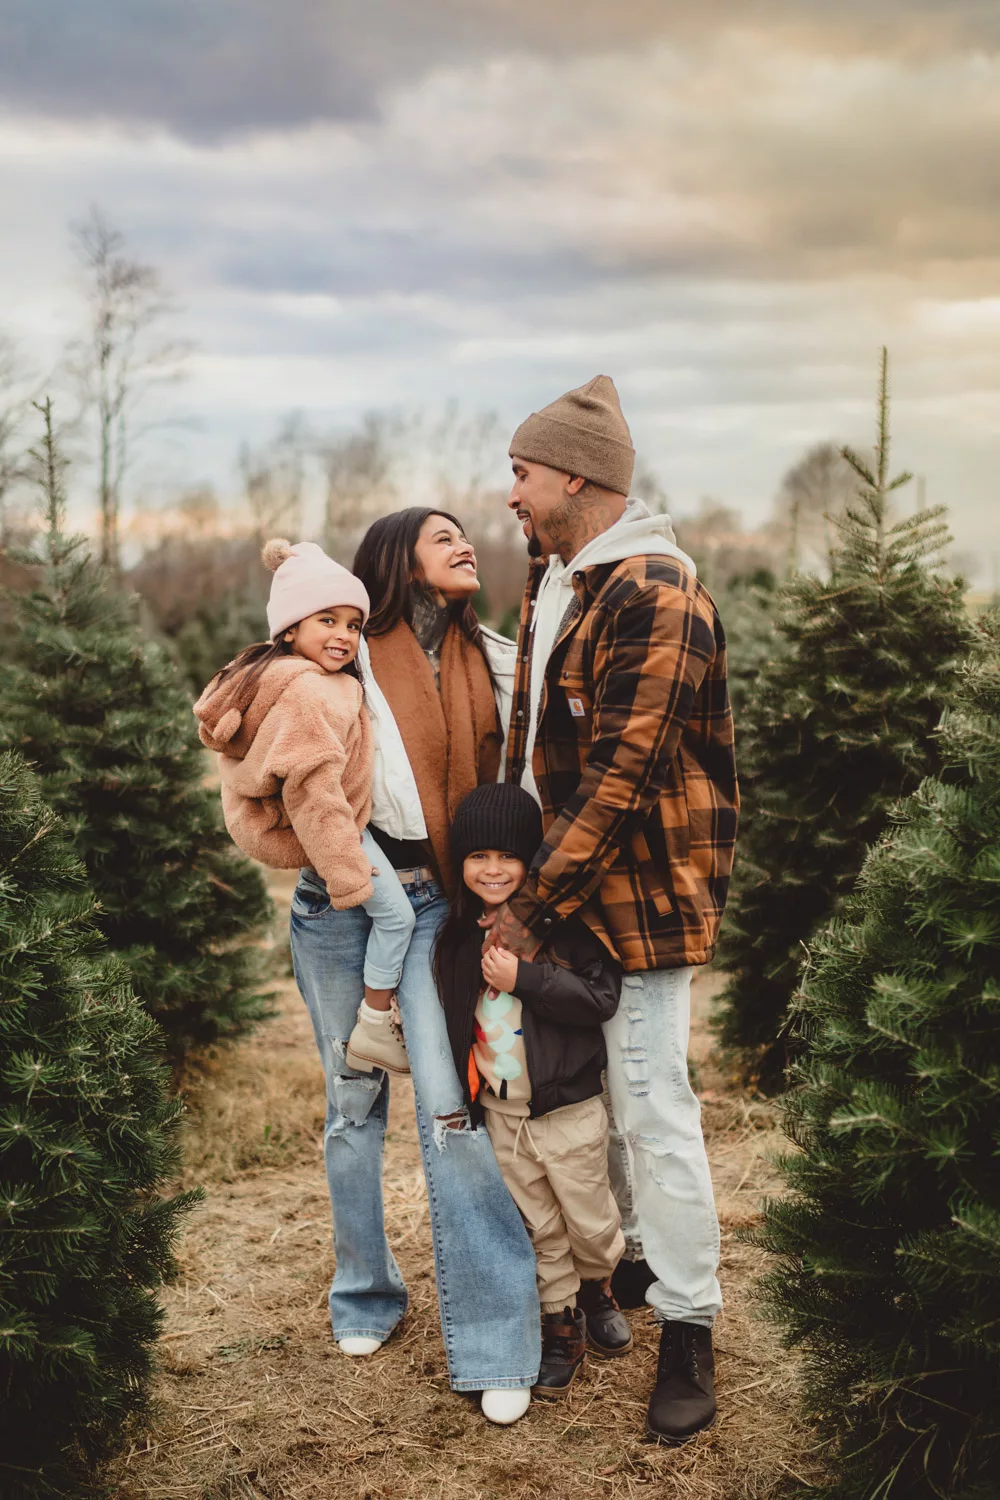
(229, 715)
(636, 534)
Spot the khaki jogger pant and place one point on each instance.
(556, 1169)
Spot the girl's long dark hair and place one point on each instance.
(386, 563)
(258, 657)
(456, 970)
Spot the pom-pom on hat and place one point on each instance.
(497, 815)
(306, 581)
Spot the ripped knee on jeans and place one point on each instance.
(352, 1095)
(444, 1125)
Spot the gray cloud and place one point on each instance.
(728, 213)
(210, 68)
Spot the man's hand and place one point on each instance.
(500, 969)
(508, 933)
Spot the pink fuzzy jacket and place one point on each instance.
(296, 767)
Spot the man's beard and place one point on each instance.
(534, 546)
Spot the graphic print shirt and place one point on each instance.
(498, 1050)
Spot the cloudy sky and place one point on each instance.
(728, 205)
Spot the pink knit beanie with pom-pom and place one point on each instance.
(306, 581)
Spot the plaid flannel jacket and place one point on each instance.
(634, 763)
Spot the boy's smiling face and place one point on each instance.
(493, 875)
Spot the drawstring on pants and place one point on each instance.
(522, 1125)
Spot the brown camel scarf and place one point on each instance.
(452, 737)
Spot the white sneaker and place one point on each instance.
(505, 1407)
(359, 1345)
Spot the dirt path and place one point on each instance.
(255, 1401)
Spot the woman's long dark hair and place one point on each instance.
(386, 563)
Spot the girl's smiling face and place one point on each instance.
(493, 875)
(446, 559)
(330, 637)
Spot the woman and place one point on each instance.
(431, 685)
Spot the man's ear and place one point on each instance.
(576, 484)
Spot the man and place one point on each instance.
(621, 728)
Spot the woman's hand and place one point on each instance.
(500, 969)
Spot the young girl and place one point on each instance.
(295, 748)
(527, 1039)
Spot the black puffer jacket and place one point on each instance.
(566, 992)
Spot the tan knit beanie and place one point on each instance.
(582, 433)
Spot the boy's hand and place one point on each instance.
(500, 969)
(508, 933)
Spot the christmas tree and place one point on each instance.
(839, 726)
(890, 1241)
(747, 606)
(100, 712)
(87, 1131)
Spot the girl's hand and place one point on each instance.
(500, 969)
(505, 931)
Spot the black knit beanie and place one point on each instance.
(497, 815)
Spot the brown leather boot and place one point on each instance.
(564, 1346)
(608, 1331)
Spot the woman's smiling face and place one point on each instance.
(446, 559)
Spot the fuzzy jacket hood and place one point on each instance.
(228, 721)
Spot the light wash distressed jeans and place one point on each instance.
(483, 1257)
(657, 1159)
(392, 920)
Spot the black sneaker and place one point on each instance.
(608, 1331)
(564, 1345)
(630, 1281)
(683, 1399)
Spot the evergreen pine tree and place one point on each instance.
(747, 606)
(101, 713)
(839, 726)
(87, 1131)
(890, 1240)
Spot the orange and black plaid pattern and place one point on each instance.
(634, 763)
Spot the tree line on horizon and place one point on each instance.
(195, 559)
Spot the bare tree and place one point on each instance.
(723, 550)
(817, 486)
(646, 485)
(362, 468)
(17, 393)
(120, 358)
(274, 480)
(461, 455)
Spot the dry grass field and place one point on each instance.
(253, 1399)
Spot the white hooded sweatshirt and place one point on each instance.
(636, 534)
